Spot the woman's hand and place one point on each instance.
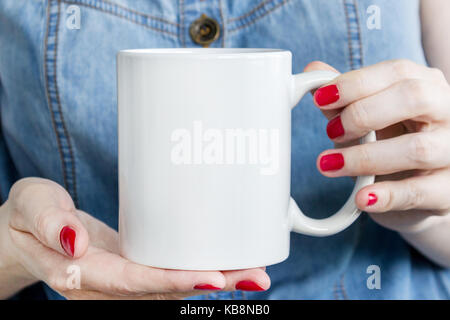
(48, 239)
(409, 107)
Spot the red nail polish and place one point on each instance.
(335, 128)
(329, 162)
(372, 199)
(205, 286)
(67, 239)
(326, 95)
(247, 285)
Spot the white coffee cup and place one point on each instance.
(204, 158)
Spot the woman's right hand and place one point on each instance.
(44, 237)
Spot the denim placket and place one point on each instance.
(355, 62)
(51, 63)
(191, 10)
(354, 34)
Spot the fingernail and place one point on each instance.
(247, 285)
(326, 95)
(67, 239)
(372, 199)
(334, 161)
(335, 128)
(205, 286)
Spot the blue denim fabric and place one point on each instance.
(58, 117)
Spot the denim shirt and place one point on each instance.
(58, 117)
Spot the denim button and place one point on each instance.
(204, 30)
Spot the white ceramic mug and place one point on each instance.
(204, 158)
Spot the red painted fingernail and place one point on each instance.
(326, 95)
(248, 285)
(205, 286)
(67, 239)
(334, 161)
(372, 199)
(335, 128)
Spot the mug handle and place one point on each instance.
(301, 84)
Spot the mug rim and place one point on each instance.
(204, 52)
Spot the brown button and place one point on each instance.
(204, 30)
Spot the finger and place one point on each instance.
(100, 234)
(420, 100)
(45, 209)
(319, 65)
(423, 150)
(39, 260)
(315, 66)
(164, 280)
(121, 276)
(248, 280)
(361, 83)
(105, 272)
(420, 192)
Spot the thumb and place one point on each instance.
(45, 209)
(319, 65)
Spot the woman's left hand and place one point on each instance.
(408, 105)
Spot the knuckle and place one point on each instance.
(359, 115)
(123, 289)
(126, 287)
(358, 82)
(414, 197)
(438, 74)
(119, 287)
(16, 219)
(170, 283)
(418, 95)
(27, 185)
(403, 68)
(21, 190)
(365, 162)
(421, 150)
(390, 201)
(41, 223)
(19, 185)
(28, 190)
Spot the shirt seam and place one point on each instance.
(64, 143)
